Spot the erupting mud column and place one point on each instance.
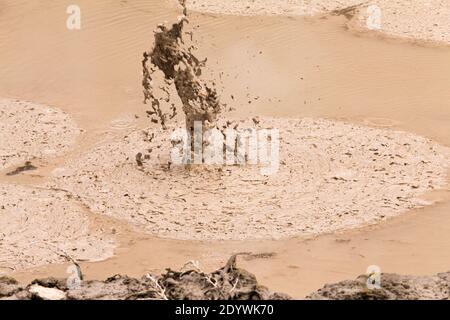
(180, 67)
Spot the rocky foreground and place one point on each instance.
(227, 283)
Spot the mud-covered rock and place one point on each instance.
(229, 282)
(392, 287)
(8, 287)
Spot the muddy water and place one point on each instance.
(290, 67)
(93, 73)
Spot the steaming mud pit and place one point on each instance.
(280, 67)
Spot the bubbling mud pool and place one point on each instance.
(297, 68)
(332, 176)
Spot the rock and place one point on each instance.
(51, 282)
(44, 293)
(393, 287)
(8, 287)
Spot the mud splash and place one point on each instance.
(173, 55)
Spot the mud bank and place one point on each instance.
(30, 131)
(331, 176)
(39, 227)
(227, 283)
(393, 287)
(420, 19)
